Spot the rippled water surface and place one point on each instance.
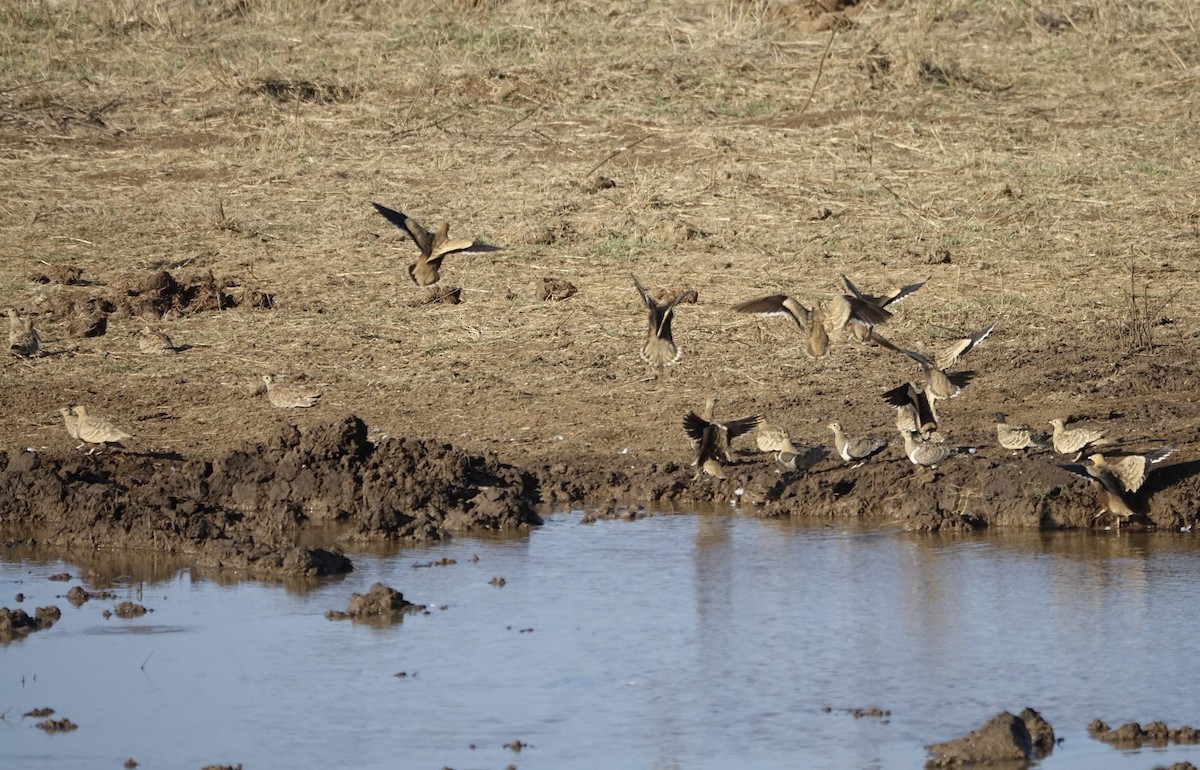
(677, 641)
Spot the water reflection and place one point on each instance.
(706, 640)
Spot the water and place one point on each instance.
(682, 641)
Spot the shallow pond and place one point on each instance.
(710, 640)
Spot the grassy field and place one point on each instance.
(1037, 162)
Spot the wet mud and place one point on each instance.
(17, 624)
(379, 605)
(1004, 740)
(1133, 735)
(249, 508)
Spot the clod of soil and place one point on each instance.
(39, 713)
(1132, 735)
(446, 295)
(153, 295)
(443, 562)
(131, 763)
(78, 596)
(60, 576)
(556, 289)
(129, 610)
(380, 604)
(67, 275)
(63, 725)
(1003, 738)
(15, 624)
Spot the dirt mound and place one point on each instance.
(1004, 739)
(245, 508)
(16, 624)
(152, 296)
(381, 604)
(1132, 735)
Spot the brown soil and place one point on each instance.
(63, 725)
(1044, 182)
(380, 605)
(1132, 735)
(16, 624)
(1003, 741)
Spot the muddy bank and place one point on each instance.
(246, 509)
(990, 488)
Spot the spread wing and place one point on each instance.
(735, 428)
(694, 426)
(419, 235)
(951, 354)
(777, 305)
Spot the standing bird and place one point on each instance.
(1017, 437)
(23, 339)
(811, 321)
(660, 349)
(915, 410)
(154, 342)
(854, 450)
(1114, 482)
(71, 421)
(1074, 440)
(290, 396)
(771, 438)
(93, 430)
(434, 246)
(940, 384)
(858, 325)
(711, 438)
(926, 453)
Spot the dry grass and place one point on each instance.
(1018, 155)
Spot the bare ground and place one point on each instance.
(1035, 163)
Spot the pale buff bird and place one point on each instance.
(71, 421)
(288, 396)
(859, 323)
(23, 339)
(433, 246)
(154, 342)
(1074, 440)
(1017, 437)
(1115, 481)
(927, 453)
(94, 430)
(772, 438)
(813, 322)
(854, 450)
(711, 438)
(660, 349)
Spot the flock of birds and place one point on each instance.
(1115, 478)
